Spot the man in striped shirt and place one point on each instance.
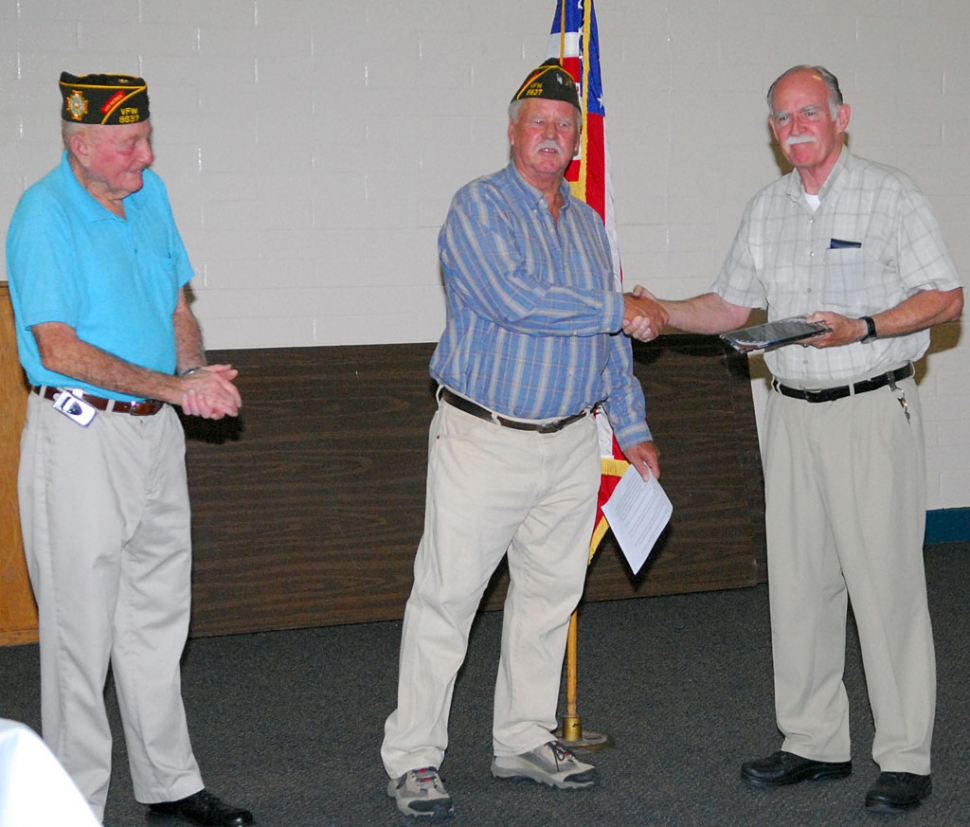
(532, 343)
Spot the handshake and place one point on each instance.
(644, 318)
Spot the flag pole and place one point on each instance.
(571, 732)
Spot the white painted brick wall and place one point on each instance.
(311, 147)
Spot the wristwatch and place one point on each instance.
(871, 332)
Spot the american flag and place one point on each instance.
(574, 40)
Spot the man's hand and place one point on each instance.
(644, 456)
(210, 393)
(842, 330)
(643, 318)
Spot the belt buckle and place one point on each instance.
(559, 424)
(146, 407)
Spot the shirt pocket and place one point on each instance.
(852, 279)
(160, 281)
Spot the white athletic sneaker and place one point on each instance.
(550, 764)
(421, 793)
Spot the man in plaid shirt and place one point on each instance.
(853, 245)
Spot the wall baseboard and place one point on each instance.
(947, 525)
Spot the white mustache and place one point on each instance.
(800, 139)
(550, 144)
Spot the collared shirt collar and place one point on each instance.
(530, 192)
(796, 190)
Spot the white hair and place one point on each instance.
(69, 129)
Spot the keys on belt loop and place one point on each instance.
(901, 398)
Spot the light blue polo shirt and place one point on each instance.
(114, 280)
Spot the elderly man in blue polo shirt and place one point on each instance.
(97, 273)
(532, 344)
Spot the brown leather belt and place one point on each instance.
(470, 407)
(148, 407)
(842, 391)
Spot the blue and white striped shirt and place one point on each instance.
(533, 319)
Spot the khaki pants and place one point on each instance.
(105, 518)
(493, 490)
(846, 505)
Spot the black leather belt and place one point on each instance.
(148, 407)
(470, 407)
(842, 391)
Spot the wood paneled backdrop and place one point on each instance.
(18, 615)
(308, 508)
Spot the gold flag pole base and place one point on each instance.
(573, 736)
(571, 733)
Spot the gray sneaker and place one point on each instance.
(421, 793)
(550, 764)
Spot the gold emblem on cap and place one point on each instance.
(77, 105)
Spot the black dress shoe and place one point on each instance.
(204, 808)
(898, 791)
(783, 768)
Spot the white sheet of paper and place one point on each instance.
(637, 512)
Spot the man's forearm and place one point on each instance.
(63, 352)
(920, 311)
(189, 352)
(707, 313)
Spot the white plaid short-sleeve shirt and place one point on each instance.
(872, 243)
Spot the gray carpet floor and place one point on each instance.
(289, 723)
